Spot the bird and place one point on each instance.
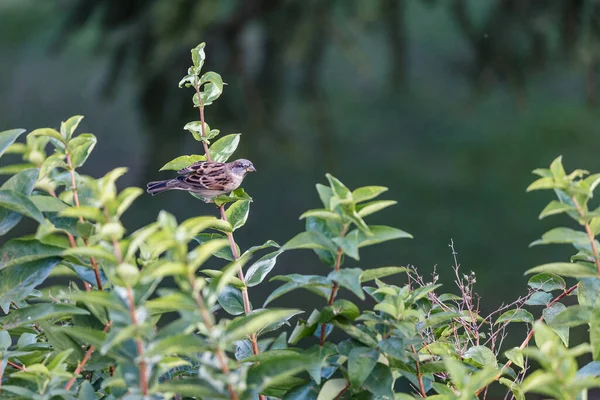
(207, 179)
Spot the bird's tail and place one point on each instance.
(158, 187)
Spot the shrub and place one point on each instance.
(116, 331)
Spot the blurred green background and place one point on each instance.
(449, 103)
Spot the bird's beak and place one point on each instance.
(251, 169)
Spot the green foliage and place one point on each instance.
(118, 331)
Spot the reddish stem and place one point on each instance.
(84, 360)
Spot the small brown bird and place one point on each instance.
(208, 179)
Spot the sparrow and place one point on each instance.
(208, 179)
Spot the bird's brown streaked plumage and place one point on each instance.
(206, 178)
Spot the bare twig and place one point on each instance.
(419, 375)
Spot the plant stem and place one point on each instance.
(209, 326)
(590, 234)
(201, 107)
(132, 312)
(530, 334)
(419, 375)
(84, 360)
(76, 201)
(335, 286)
(244, 290)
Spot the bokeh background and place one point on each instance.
(449, 103)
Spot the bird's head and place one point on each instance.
(242, 167)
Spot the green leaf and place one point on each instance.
(372, 207)
(231, 300)
(265, 245)
(48, 203)
(197, 257)
(95, 298)
(20, 251)
(332, 389)
(17, 202)
(325, 194)
(571, 316)
(572, 270)
(309, 391)
(480, 356)
(182, 344)
(541, 184)
(549, 314)
(218, 283)
(356, 333)
(555, 207)
(8, 137)
(92, 251)
(67, 128)
(126, 198)
(222, 149)
(380, 381)
(382, 272)
(338, 188)
(562, 235)
(257, 272)
(516, 356)
(547, 282)
(38, 312)
(225, 253)
(361, 362)
(315, 283)
(242, 326)
(556, 168)
(93, 337)
(348, 244)
(86, 391)
(590, 369)
(276, 369)
(237, 213)
(519, 315)
(17, 282)
(381, 234)
(181, 162)
(81, 147)
(189, 387)
(539, 299)
(23, 183)
(440, 317)
(588, 291)
(367, 193)
(348, 278)
(322, 213)
(195, 128)
(212, 87)
(85, 212)
(310, 240)
(594, 334)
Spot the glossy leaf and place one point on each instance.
(189, 387)
(381, 234)
(518, 315)
(555, 207)
(38, 312)
(257, 272)
(182, 162)
(222, 149)
(516, 356)
(367, 193)
(17, 202)
(237, 213)
(231, 300)
(17, 282)
(562, 235)
(588, 291)
(247, 324)
(67, 128)
(382, 272)
(361, 362)
(21, 251)
(547, 282)
(380, 381)
(573, 270)
(8, 137)
(372, 207)
(332, 389)
(549, 314)
(310, 240)
(23, 183)
(315, 283)
(348, 278)
(572, 316)
(81, 148)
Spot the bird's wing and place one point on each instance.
(204, 182)
(201, 167)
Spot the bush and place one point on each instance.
(115, 331)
